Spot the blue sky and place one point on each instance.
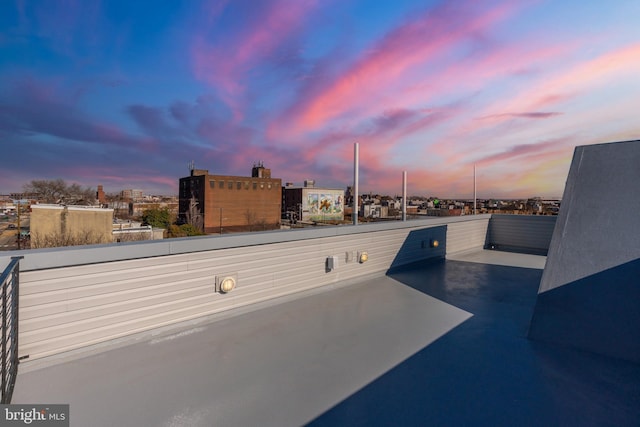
(126, 94)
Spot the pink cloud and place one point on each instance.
(225, 64)
(527, 115)
(532, 152)
(551, 89)
(148, 180)
(564, 84)
(394, 58)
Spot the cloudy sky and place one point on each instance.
(127, 93)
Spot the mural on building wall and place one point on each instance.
(324, 205)
(312, 204)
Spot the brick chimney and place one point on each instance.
(100, 195)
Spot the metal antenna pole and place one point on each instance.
(356, 154)
(404, 195)
(475, 201)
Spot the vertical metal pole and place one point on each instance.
(4, 339)
(19, 240)
(9, 361)
(356, 154)
(404, 195)
(16, 307)
(475, 202)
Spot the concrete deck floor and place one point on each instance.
(434, 343)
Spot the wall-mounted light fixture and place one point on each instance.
(349, 256)
(226, 283)
(434, 243)
(331, 263)
(363, 257)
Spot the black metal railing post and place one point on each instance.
(4, 338)
(10, 282)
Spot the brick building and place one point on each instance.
(223, 203)
(102, 198)
(311, 203)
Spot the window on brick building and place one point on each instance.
(230, 185)
(221, 184)
(239, 185)
(255, 185)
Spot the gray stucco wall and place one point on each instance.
(589, 294)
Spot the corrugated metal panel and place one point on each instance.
(528, 233)
(70, 307)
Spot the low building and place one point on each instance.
(132, 195)
(444, 212)
(137, 209)
(223, 203)
(312, 204)
(57, 225)
(374, 210)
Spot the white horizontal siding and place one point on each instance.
(71, 307)
(531, 232)
(467, 235)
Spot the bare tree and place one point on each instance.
(261, 224)
(119, 205)
(193, 215)
(57, 191)
(85, 237)
(252, 219)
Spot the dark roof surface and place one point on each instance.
(485, 371)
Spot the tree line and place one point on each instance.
(58, 191)
(164, 218)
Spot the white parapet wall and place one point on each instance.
(76, 297)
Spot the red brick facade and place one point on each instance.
(232, 203)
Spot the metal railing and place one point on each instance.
(9, 280)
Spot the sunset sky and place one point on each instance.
(127, 93)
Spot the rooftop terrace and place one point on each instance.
(449, 334)
(437, 342)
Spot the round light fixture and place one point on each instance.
(227, 285)
(434, 243)
(363, 257)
